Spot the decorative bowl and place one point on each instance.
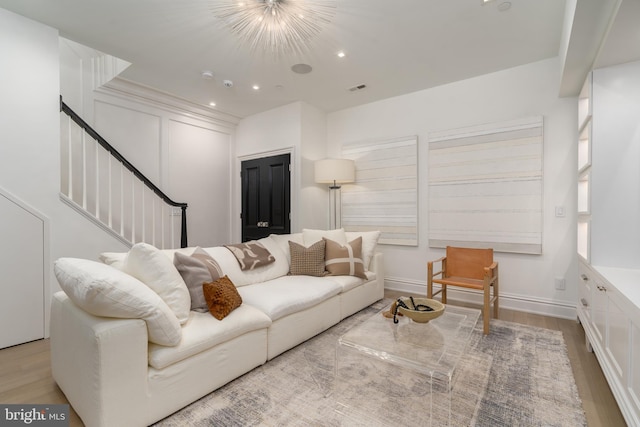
(422, 316)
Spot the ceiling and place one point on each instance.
(392, 47)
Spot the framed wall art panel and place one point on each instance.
(385, 194)
(485, 186)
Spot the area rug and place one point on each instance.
(516, 376)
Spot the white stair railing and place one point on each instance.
(100, 183)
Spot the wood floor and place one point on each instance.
(25, 374)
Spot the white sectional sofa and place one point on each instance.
(119, 361)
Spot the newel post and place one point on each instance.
(183, 232)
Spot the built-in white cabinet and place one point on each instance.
(610, 316)
(608, 228)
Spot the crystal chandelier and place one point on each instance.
(277, 26)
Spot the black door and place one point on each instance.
(266, 193)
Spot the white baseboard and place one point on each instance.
(524, 303)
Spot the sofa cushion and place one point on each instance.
(197, 269)
(307, 261)
(344, 260)
(349, 282)
(102, 290)
(369, 244)
(202, 332)
(222, 297)
(288, 294)
(229, 264)
(311, 236)
(156, 270)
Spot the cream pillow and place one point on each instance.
(105, 291)
(312, 236)
(282, 240)
(114, 259)
(369, 244)
(153, 268)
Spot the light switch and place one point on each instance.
(560, 211)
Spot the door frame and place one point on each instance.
(237, 187)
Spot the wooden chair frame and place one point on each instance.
(472, 273)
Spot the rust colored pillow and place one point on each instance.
(222, 297)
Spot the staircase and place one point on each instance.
(97, 181)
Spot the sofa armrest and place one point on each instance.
(100, 364)
(376, 264)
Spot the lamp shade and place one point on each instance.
(338, 171)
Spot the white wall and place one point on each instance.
(615, 175)
(527, 281)
(314, 197)
(200, 174)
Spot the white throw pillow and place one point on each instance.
(156, 270)
(369, 244)
(114, 259)
(312, 236)
(102, 290)
(282, 240)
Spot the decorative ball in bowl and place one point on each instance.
(420, 315)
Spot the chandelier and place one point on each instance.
(277, 26)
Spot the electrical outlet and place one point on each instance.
(561, 283)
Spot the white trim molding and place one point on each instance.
(129, 90)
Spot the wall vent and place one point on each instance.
(357, 88)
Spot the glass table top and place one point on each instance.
(430, 348)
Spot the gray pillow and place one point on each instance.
(197, 269)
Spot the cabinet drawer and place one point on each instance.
(599, 302)
(585, 292)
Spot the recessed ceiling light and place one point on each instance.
(256, 87)
(212, 104)
(207, 75)
(341, 54)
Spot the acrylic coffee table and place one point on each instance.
(401, 373)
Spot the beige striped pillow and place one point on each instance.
(344, 260)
